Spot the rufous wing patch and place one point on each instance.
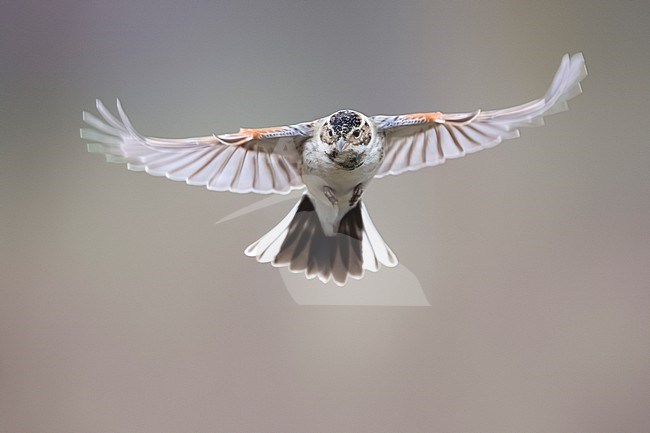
(414, 118)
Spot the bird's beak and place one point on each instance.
(340, 144)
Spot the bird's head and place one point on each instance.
(346, 135)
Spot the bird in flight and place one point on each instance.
(328, 234)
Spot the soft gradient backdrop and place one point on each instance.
(124, 308)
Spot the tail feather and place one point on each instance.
(299, 243)
(375, 251)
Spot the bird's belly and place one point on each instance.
(320, 175)
(342, 182)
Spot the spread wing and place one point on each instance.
(251, 160)
(427, 139)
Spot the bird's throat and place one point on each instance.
(347, 160)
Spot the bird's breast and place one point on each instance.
(341, 172)
(345, 167)
(319, 170)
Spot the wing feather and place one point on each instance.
(265, 171)
(426, 139)
(247, 175)
(253, 160)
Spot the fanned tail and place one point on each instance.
(299, 243)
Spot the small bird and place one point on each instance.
(328, 234)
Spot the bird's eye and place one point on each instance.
(356, 133)
(329, 132)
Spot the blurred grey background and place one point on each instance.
(124, 308)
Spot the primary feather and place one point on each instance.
(241, 162)
(415, 141)
(329, 233)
